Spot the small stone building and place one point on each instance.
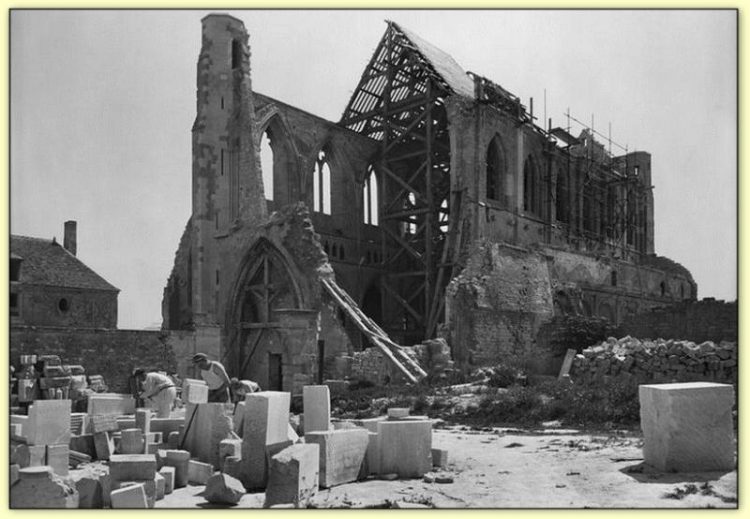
(50, 286)
(437, 202)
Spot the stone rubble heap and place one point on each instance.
(660, 360)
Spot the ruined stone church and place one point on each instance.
(435, 207)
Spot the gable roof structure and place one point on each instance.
(48, 263)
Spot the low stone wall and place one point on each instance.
(110, 353)
(434, 356)
(659, 361)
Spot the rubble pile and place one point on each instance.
(433, 355)
(660, 360)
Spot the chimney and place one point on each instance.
(70, 241)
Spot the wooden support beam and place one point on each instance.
(417, 317)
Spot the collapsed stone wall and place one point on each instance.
(433, 356)
(645, 361)
(698, 321)
(110, 353)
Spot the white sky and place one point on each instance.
(102, 103)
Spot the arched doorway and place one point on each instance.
(266, 289)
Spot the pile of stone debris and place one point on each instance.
(657, 360)
(117, 456)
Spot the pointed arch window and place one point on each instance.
(562, 207)
(322, 184)
(370, 197)
(532, 200)
(267, 163)
(495, 174)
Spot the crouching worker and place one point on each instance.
(159, 392)
(240, 388)
(215, 377)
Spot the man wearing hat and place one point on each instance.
(158, 390)
(215, 376)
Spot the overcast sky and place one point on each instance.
(102, 103)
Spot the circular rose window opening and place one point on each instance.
(63, 305)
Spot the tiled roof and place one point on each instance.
(46, 262)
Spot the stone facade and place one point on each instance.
(521, 223)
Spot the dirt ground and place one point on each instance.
(512, 468)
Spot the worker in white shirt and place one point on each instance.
(215, 377)
(240, 388)
(158, 391)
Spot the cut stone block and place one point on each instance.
(229, 447)
(110, 403)
(166, 425)
(687, 427)
(132, 496)
(373, 454)
(179, 460)
(194, 391)
(199, 472)
(440, 458)
(265, 423)
(31, 455)
(83, 444)
(39, 487)
(239, 413)
(173, 440)
(341, 454)
(293, 475)
(149, 486)
(143, 420)
(161, 487)
(48, 423)
(22, 421)
(58, 457)
(132, 467)
(104, 445)
(223, 489)
(92, 483)
(371, 424)
(292, 435)
(132, 442)
(14, 471)
(398, 412)
(210, 425)
(405, 448)
(168, 475)
(316, 402)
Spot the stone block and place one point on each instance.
(371, 424)
(223, 489)
(143, 420)
(342, 453)
(48, 423)
(194, 391)
(58, 457)
(210, 425)
(687, 427)
(161, 487)
(83, 444)
(405, 448)
(14, 471)
(149, 486)
(293, 475)
(316, 402)
(178, 459)
(229, 447)
(132, 496)
(110, 403)
(292, 435)
(372, 457)
(31, 455)
(398, 412)
(440, 458)
(39, 487)
(165, 425)
(132, 467)
(104, 445)
(131, 442)
(199, 472)
(265, 424)
(239, 413)
(173, 440)
(168, 475)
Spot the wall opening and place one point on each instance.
(562, 207)
(267, 164)
(532, 188)
(370, 197)
(236, 53)
(322, 184)
(63, 305)
(495, 171)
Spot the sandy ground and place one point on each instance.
(509, 468)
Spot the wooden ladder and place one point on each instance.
(374, 333)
